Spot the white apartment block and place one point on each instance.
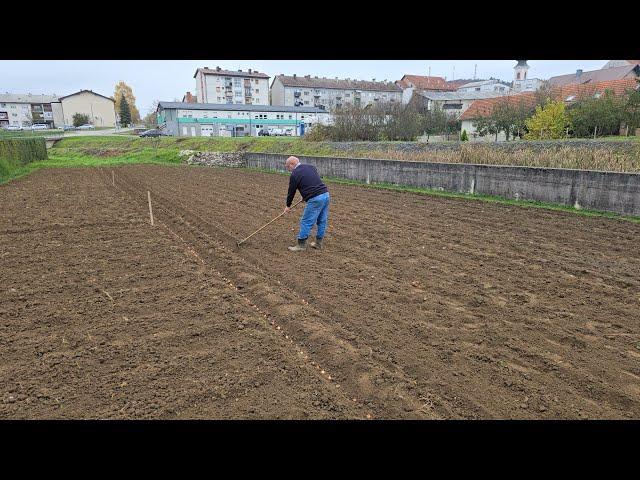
(231, 87)
(327, 93)
(25, 109)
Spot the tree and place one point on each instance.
(122, 90)
(151, 119)
(125, 113)
(550, 121)
(631, 110)
(464, 137)
(591, 116)
(80, 119)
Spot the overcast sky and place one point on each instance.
(170, 79)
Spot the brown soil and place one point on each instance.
(418, 307)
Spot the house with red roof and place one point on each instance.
(421, 83)
(568, 93)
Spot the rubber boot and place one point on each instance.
(302, 245)
(317, 244)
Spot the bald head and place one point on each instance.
(291, 163)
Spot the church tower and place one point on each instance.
(520, 70)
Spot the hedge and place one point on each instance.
(16, 152)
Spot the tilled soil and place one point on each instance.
(417, 307)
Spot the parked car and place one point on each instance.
(86, 126)
(68, 127)
(39, 126)
(276, 132)
(154, 132)
(263, 132)
(13, 127)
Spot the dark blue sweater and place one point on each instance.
(306, 179)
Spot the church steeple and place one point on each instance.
(520, 70)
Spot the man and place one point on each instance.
(305, 178)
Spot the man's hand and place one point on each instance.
(287, 210)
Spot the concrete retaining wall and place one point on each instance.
(607, 191)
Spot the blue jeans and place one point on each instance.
(315, 212)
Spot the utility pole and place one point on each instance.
(475, 70)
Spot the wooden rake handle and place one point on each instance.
(267, 224)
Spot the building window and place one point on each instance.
(13, 106)
(347, 95)
(257, 90)
(256, 80)
(306, 93)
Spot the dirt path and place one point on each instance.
(419, 307)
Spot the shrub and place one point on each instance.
(80, 119)
(464, 137)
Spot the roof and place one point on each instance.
(27, 98)
(422, 82)
(618, 87)
(230, 73)
(231, 107)
(87, 91)
(314, 82)
(602, 75)
(484, 107)
(455, 84)
(482, 82)
(460, 95)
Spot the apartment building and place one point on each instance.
(101, 110)
(184, 119)
(25, 109)
(327, 93)
(231, 87)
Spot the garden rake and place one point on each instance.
(267, 224)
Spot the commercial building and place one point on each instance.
(327, 93)
(101, 110)
(231, 87)
(211, 120)
(25, 109)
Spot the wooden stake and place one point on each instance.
(113, 178)
(150, 210)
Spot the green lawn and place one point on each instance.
(69, 159)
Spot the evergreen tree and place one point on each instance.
(125, 113)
